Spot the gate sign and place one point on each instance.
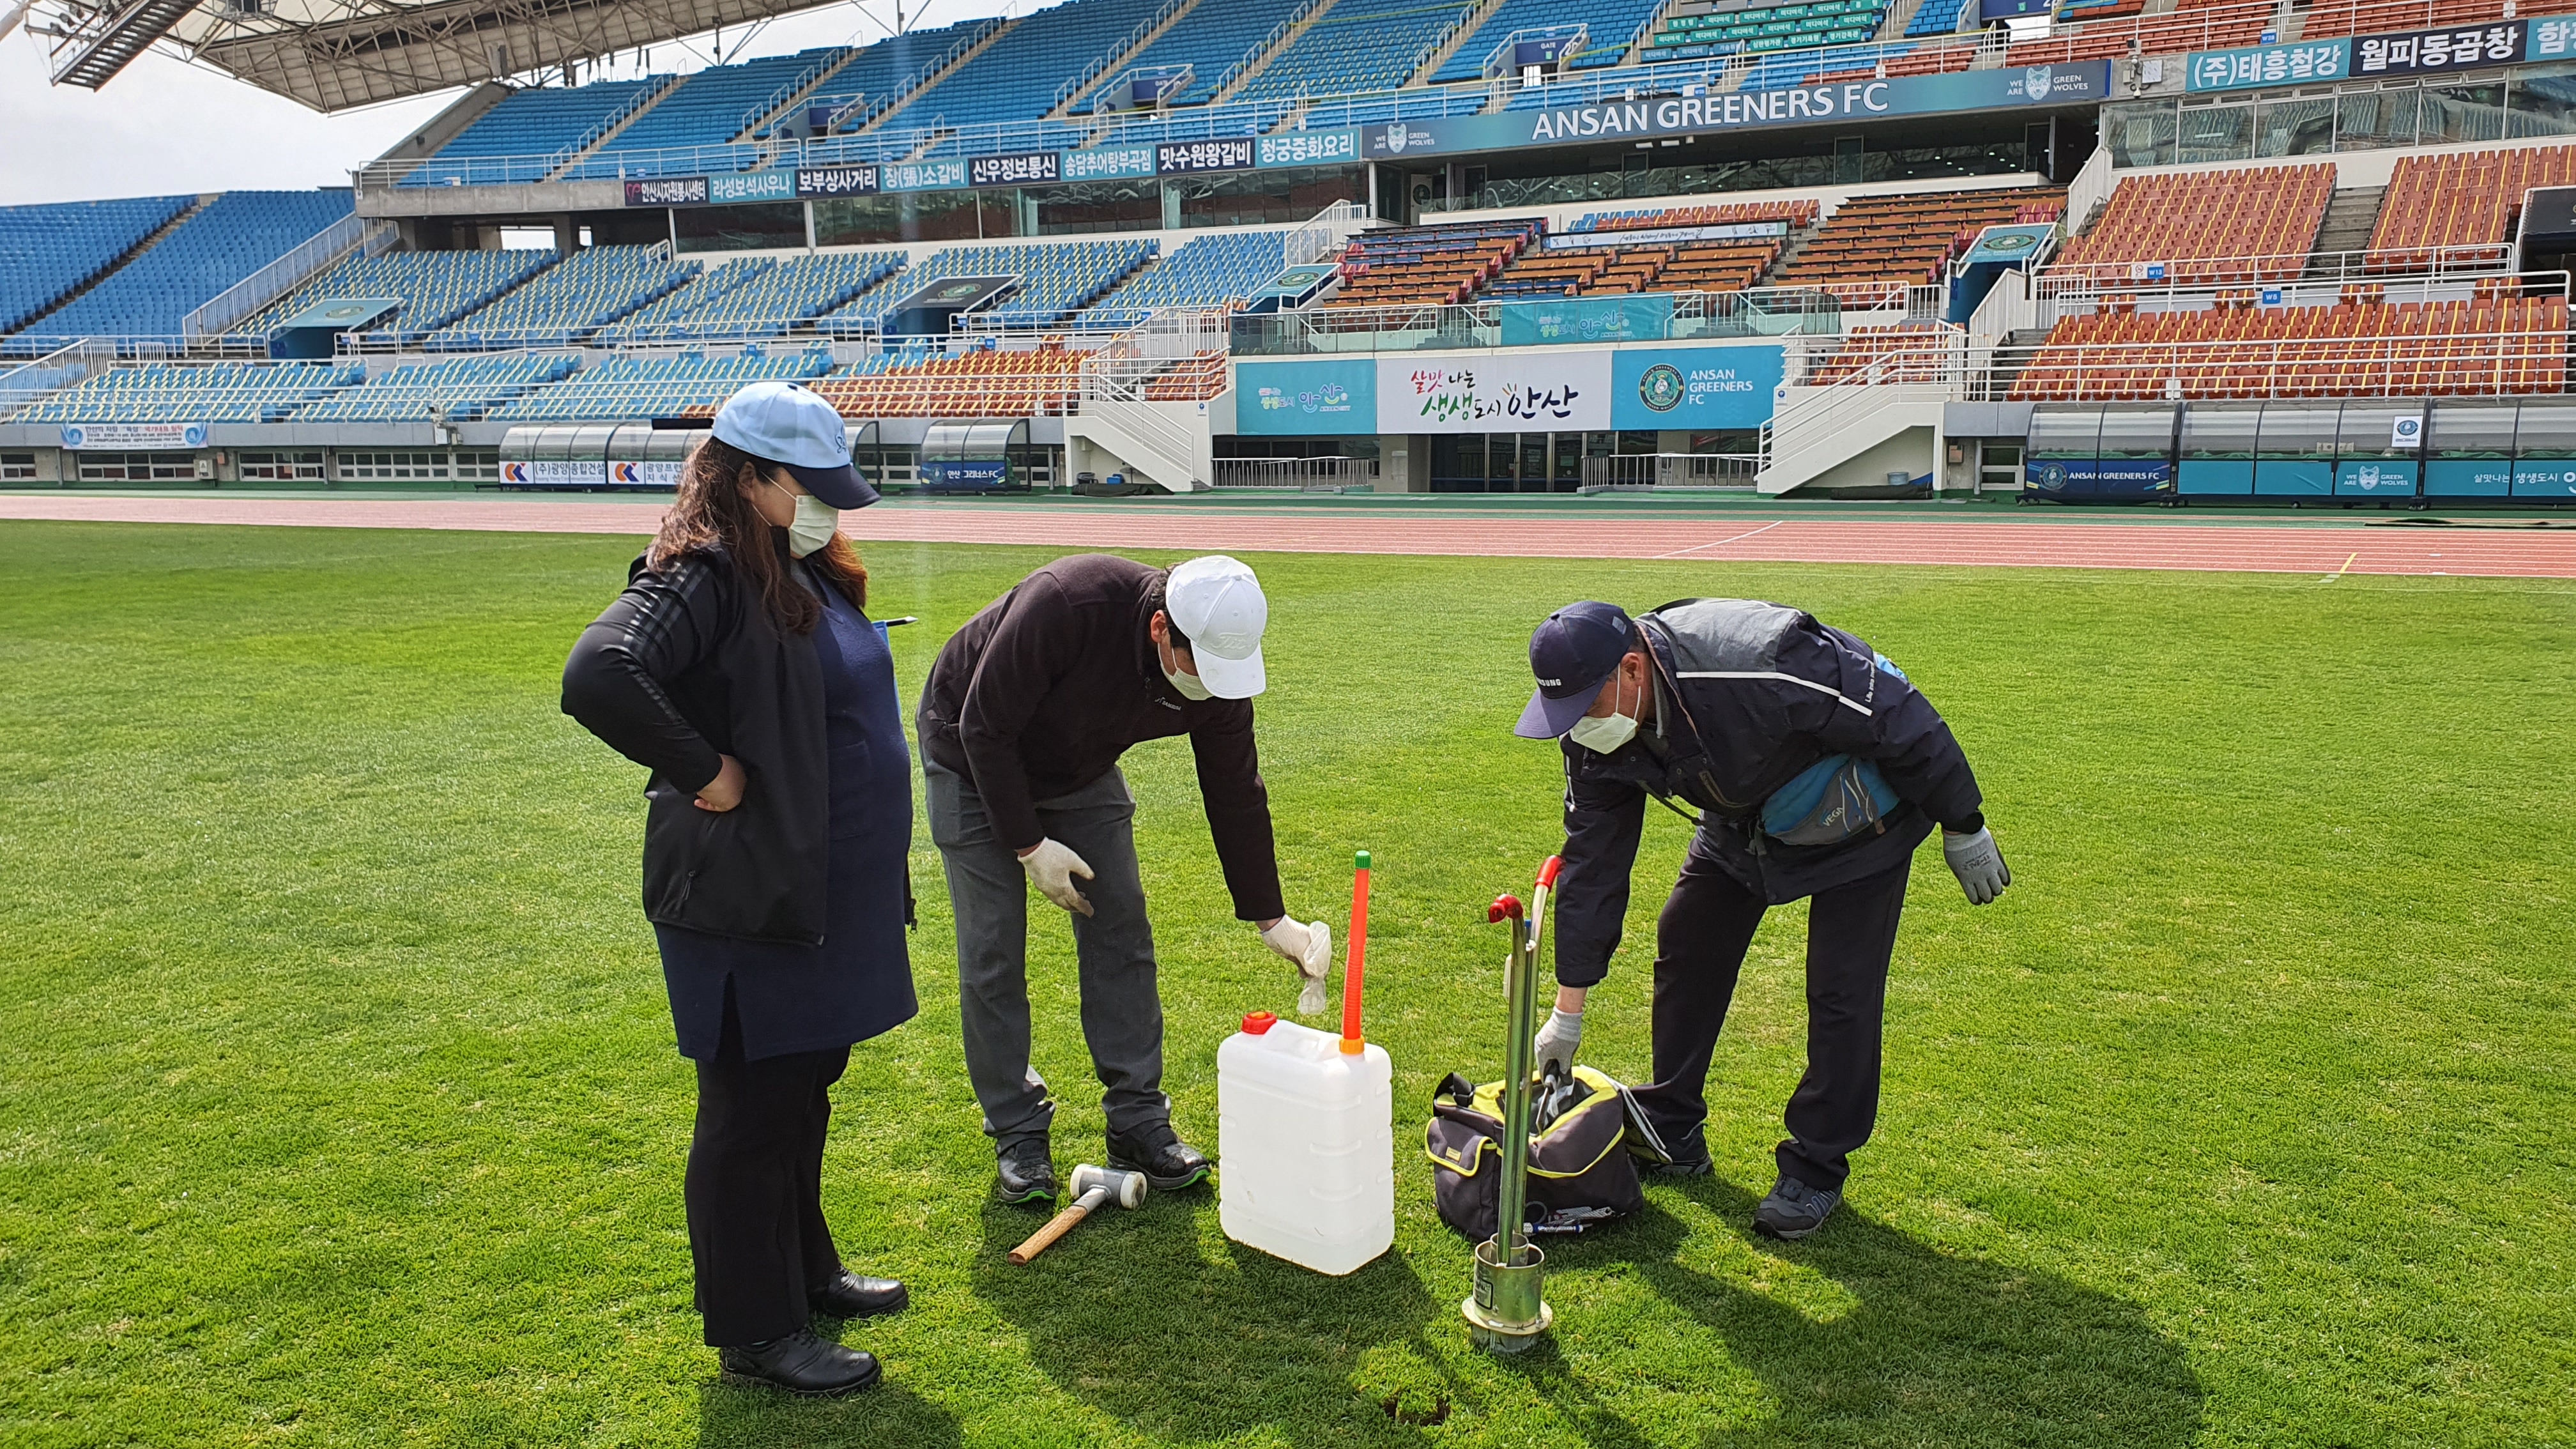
(140, 436)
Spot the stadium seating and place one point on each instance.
(1197, 378)
(1711, 266)
(1693, 29)
(1428, 265)
(540, 122)
(49, 252)
(758, 300)
(1797, 213)
(2251, 225)
(656, 387)
(705, 109)
(436, 287)
(2328, 18)
(876, 74)
(1935, 17)
(1913, 352)
(218, 392)
(1210, 39)
(568, 301)
(1055, 279)
(2193, 27)
(193, 262)
(986, 383)
(1015, 78)
(1874, 244)
(2465, 199)
(1208, 271)
(1609, 27)
(1377, 45)
(456, 391)
(2359, 347)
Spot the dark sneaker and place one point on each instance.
(802, 1363)
(1683, 1155)
(1025, 1172)
(1156, 1151)
(1794, 1210)
(851, 1296)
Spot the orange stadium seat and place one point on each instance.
(2206, 226)
(993, 384)
(2362, 346)
(1875, 244)
(2468, 199)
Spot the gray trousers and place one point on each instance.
(1122, 1012)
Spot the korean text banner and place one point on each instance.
(1645, 318)
(1694, 387)
(2426, 52)
(2080, 83)
(1337, 395)
(2268, 65)
(731, 186)
(1532, 392)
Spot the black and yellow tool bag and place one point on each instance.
(1578, 1175)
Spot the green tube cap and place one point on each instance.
(1360, 861)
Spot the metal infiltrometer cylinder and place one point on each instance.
(1508, 1310)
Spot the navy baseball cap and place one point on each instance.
(1573, 654)
(782, 423)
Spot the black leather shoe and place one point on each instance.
(1156, 1151)
(1026, 1173)
(801, 1363)
(851, 1296)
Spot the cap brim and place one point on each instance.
(1231, 678)
(841, 487)
(1546, 718)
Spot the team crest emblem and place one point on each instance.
(1395, 136)
(2035, 82)
(1660, 389)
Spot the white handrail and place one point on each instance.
(281, 276)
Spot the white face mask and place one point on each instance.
(816, 522)
(1187, 684)
(1602, 734)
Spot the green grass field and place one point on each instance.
(338, 1103)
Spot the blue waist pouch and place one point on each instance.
(1829, 802)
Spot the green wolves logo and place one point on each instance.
(1661, 388)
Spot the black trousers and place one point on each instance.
(755, 1188)
(1700, 942)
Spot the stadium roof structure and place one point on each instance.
(332, 55)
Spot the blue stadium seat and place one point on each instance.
(195, 261)
(1935, 17)
(49, 252)
(568, 301)
(1209, 40)
(1016, 77)
(1610, 26)
(706, 109)
(754, 298)
(1210, 271)
(1056, 279)
(456, 391)
(885, 69)
(217, 392)
(656, 387)
(536, 123)
(1375, 46)
(436, 287)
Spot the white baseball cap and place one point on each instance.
(1218, 603)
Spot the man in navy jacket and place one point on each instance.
(1817, 768)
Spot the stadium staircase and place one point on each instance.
(645, 99)
(1286, 36)
(1108, 67)
(931, 81)
(2351, 217)
(1795, 242)
(186, 214)
(1467, 27)
(769, 113)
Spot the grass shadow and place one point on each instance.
(1181, 1338)
(1893, 1341)
(747, 1416)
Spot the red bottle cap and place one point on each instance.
(1257, 1022)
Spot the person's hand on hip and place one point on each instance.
(724, 791)
(1051, 869)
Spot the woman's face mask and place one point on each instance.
(816, 521)
(1602, 734)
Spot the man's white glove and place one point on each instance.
(1051, 869)
(1978, 865)
(1310, 949)
(1557, 1040)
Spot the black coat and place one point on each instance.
(686, 666)
(1747, 695)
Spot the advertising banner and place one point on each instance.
(1018, 169)
(2268, 65)
(1667, 235)
(1538, 392)
(924, 176)
(660, 474)
(2550, 38)
(668, 191)
(1699, 388)
(964, 473)
(1109, 163)
(2425, 52)
(554, 474)
(1645, 318)
(728, 187)
(1175, 158)
(134, 435)
(2079, 83)
(2005, 244)
(1337, 395)
(837, 181)
(1308, 148)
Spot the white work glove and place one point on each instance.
(1557, 1040)
(1978, 865)
(1310, 949)
(1051, 869)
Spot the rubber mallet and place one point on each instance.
(1092, 1186)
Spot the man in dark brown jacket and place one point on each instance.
(1025, 716)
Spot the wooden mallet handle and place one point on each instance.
(1059, 1225)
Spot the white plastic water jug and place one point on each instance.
(1305, 1145)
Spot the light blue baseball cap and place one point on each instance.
(783, 423)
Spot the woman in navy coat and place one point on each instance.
(740, 667)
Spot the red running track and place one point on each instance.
(2283, 548)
